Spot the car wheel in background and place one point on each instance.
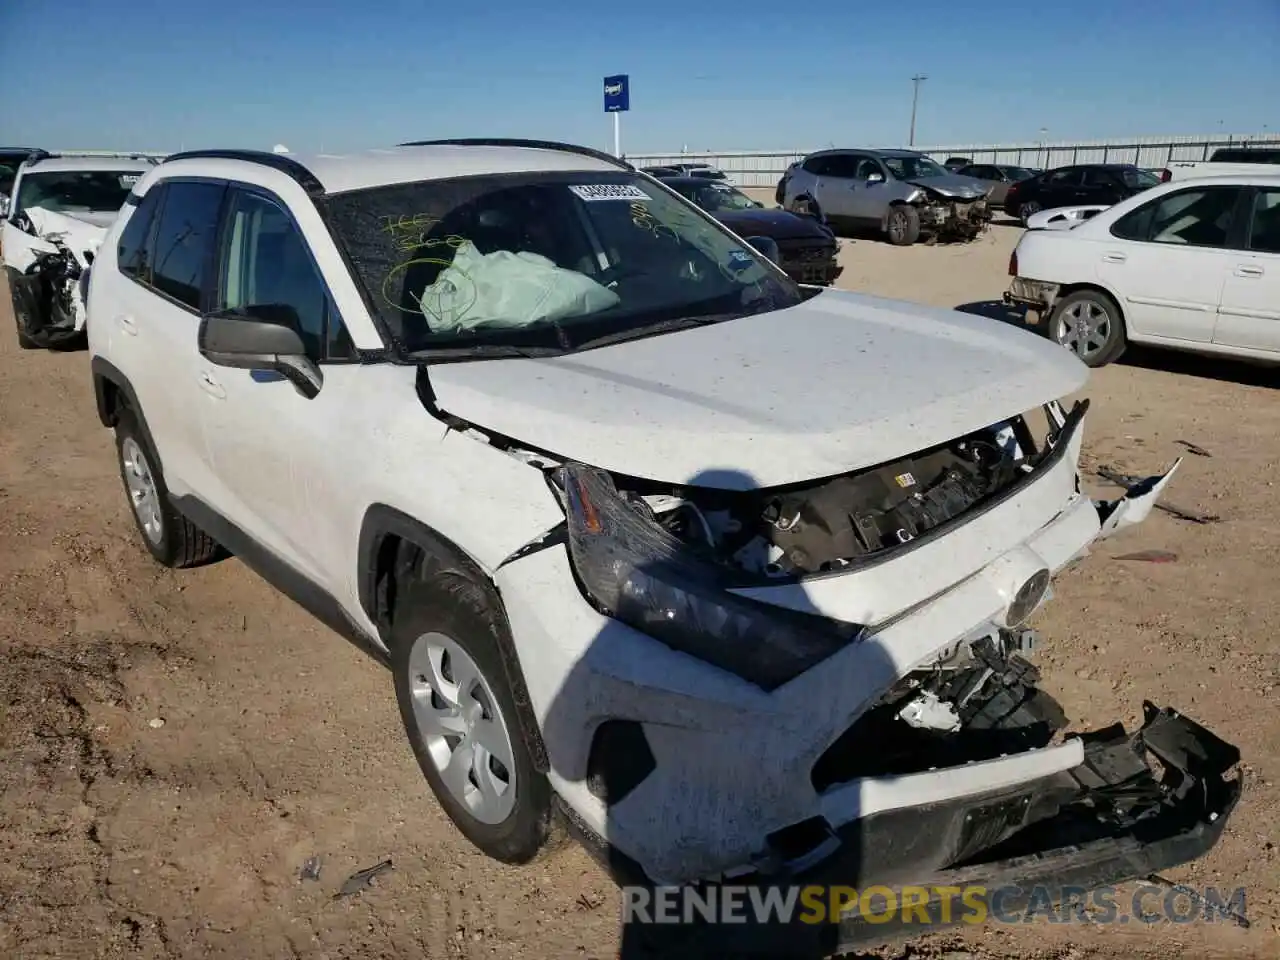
(1089, 324)
(1028, 209)
(473, 743)
(169, 537)
(902, 226)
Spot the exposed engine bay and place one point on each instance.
(838, 522)
(945, 218)
(48, 279)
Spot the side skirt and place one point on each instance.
(299, 588)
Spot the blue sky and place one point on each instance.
(750, 74)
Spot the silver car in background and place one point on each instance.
(904, 194)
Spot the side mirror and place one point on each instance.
(758, 203)
(248, 343)
(876, 177)
(767, 247)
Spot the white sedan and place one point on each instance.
(1190, 264)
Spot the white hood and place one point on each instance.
(839, 383)
(80, 231)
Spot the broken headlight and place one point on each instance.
(637, 572)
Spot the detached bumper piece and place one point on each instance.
(1107, 821)
(955, 220)
(42, 305)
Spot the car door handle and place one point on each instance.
(211, 386)
(1248, 270)
(1114, 258)
(127, 324)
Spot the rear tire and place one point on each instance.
(902, 225)
(473, 742)
(1027, 210)
(169, 537)
(805, 206)
(1089, 324)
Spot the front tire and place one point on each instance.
(1090, 325)
(902, 226)
(474, 744)
(169, 537)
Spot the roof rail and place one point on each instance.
(531, 144)
(35, 156)
(276, 161)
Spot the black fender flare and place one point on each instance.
(110, 386)
(382, 522)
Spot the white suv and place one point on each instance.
(732, 572)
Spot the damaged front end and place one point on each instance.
(891, 728)
(953, 219)
(48, 277)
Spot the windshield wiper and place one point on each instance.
(485, 351)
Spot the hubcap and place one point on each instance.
(1084, 328)
(1030, 210)
(463, 727)
(897, 226)
(141, 485)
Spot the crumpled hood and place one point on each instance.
(778, 224)
(80, 231)
(838, 383)
(955, 186)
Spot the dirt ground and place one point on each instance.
(174, 746)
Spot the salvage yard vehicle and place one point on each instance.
(703, 170)
(1000, 175)
(903, 194)
(807, 248)
(58, 214)
(1243, 159)
(1074, 186)
(1190, 264)
(10, 159)
(651, 537)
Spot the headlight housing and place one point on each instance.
(642, 575)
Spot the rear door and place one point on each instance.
(1249, 315)
(1168, 261)
(1060, 188)
(834, 187)
(1100, 185)
(154, 312)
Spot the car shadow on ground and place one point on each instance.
(1199, 365)
(698, 802)
(1014, 314)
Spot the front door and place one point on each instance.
(870, 200)
(258, 419)
(1170, 260)
(1249, 315)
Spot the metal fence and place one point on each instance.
(764, 168)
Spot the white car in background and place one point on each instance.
(1190, 264)
(59, 211)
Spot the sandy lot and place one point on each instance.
(174, 746)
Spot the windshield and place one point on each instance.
(910, 168)
(715, 197)
(1138, 178)
(1017, 173)
(544, 261)
(76, 191)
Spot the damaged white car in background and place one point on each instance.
(59, 211)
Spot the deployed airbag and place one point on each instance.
(508, 289)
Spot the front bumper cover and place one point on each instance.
(1106, 821)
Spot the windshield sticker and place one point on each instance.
(739, 259)
(129, 179)
(609, 191)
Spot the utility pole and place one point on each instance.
(915, 96)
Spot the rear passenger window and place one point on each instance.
(133, 253)
(1265, 233)
(184, 240)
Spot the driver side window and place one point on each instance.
(866, 167)
(267, 272)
